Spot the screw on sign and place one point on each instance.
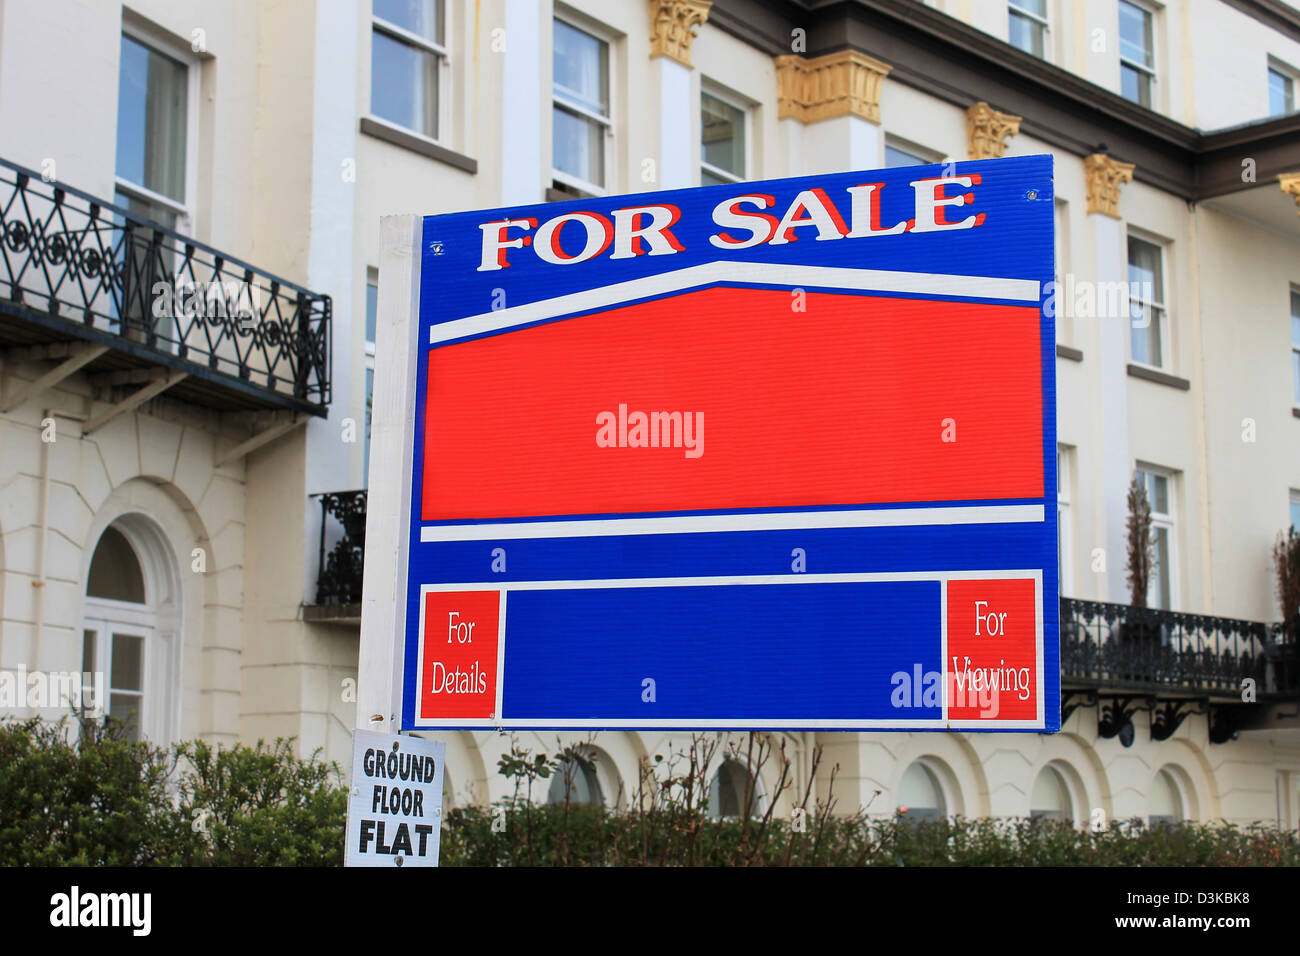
(395, 805)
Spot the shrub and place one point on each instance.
(258, 806)
(101, 799)
(601, 837)
(100, 802)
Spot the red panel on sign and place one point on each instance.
(992, 660)
(459, 656)
(782, 399)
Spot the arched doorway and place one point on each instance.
(1050, 798)
(921, 795)
(1165, 802)
(129, 628)
(727, 791)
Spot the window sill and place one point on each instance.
(559, 195)
(1066, 352)
(1157, 376)
(417, 144)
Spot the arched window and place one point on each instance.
(727, 791)
(582, 781)
(115, 570)
(920, 794)
(1050, 798)
(128, 634)
(1165, 801)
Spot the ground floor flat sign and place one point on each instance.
(395, 804)
(762, 455)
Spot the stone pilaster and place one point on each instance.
(673, 25)
(846, 83)
(987, 131)
(1104, 176)
(1290, 183)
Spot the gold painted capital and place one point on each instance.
(987, 130)
(1104, 176)
(1290, 183)
(846, 83)
(673, 25)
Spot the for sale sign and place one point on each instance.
(762, 455)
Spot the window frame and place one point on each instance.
(1151, 72)
(443, 58)
(1044, 24)
(708, 88)
(1293, 499)
(110, 619)
(166, 46)
(1159, 305)
(927, 156)
(1167, 520)
(607, 37)
(1294, 302)
(1291, 76)
(1064, 519)
(372, 281)
(1064, 318)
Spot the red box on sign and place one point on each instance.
(851, 400)
(458, 655)
(992, 660)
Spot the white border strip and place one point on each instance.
(767, 521)
(828, 277)
(942, 723)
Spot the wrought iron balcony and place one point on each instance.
(137, 302)
(1118, 648)
(342, 559)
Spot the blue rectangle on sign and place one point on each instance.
(605, 652)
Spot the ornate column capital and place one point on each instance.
(1104, 176)
(1290, 183)
(673, 25)
(987, 130)
(846, 83)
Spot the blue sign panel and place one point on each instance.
(758, 455)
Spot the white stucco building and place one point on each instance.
(160, 475)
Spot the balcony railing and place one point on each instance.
(1117, 647)
(77, 268)
(338, 584)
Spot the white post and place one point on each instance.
(677, 119)
(523, 105)
(842, 144)
(383, 597)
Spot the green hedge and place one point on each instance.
(105, 800)
(101, 799)
(539, 835)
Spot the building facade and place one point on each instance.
(193, 526)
